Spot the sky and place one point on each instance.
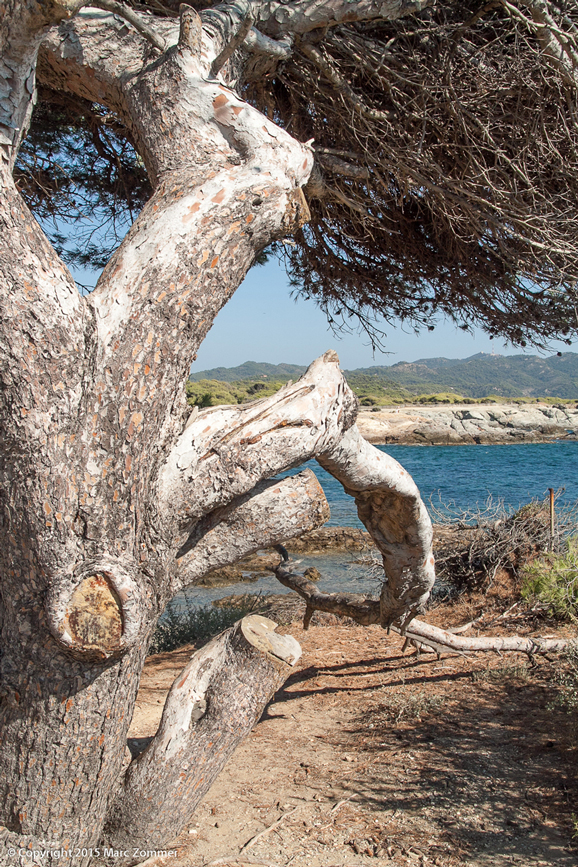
(263, 323)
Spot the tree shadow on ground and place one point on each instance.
(485, 757)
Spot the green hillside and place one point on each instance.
(444, 379)
(251, 370)
(482, 374)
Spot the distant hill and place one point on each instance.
(251, 370)
(478, 376)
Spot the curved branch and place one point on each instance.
(389, 504)
(258, 43)
(269, 514)
(225, 451)
(43, 320)
(227, 182)
(423, 632)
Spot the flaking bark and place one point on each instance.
(112, 495)
(212, 705)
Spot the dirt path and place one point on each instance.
(371, 757)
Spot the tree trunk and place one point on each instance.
(113, 495)
(212, 705)
(92, 399)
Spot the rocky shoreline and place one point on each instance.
(469, 424)
(324, 541)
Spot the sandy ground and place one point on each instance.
(367, 756)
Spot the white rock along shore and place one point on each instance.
(469, 423)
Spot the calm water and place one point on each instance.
(460, 475)
(467, 475)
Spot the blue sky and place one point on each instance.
(263, 323)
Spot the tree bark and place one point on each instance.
(212, 705)
(92, 398)
(112, 494)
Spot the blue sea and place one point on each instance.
(461, 477)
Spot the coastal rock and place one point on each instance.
(330, 539)
(459, 424)
(322, 541)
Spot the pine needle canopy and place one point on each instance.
(446, 175)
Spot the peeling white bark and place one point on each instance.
(224, 451)
(424, 632)
(389, 504)
(211, 706)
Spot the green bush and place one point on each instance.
(195, 624)
(553, 582)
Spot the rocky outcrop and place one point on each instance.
(329, 539)
(475, 423)
(326, 540)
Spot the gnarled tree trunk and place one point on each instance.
(113, 494)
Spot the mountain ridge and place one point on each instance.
(477, 376)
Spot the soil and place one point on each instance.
(369, 756)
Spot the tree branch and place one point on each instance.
(389, 504)
(269, 514)
(342, 86)
(137, 21)
(225, 451)
(559, 45)
(211, 707)
(227, 182)
(258, 43)
(277, 18)
(367, 611)
(313, 418)
(236, 41)
(43, 321)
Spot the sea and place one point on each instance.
(452, 480)
(463, 478)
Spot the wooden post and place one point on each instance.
(551, 518)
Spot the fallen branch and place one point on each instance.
(367, 611)
(272, 827)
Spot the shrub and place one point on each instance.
(187, 623)
(552, 582)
